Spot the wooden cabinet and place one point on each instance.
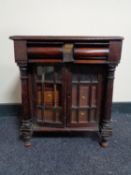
(67, 83)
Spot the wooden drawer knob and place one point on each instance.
(82, 113)
(83, 97)
(49, 95)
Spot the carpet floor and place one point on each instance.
(66, 154)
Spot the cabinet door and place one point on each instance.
(49, 95)
(84, 97)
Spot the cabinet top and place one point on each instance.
(66, 38)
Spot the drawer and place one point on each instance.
(45, 52)
(68, 52)
(91, 53)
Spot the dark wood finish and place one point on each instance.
(68, 38)
(67, 83)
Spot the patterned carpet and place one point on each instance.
(66, 154)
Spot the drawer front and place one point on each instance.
(44, 52)
(91, 53)
(68, 52)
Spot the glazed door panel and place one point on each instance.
(49, 95)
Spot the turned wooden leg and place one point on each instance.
(27, 141)
(26, 124)
(26, 133)
(105, 133)
(104, 142)
(105, 122)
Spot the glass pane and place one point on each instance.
(48, 95)
(57, 95)
(39, 114)
(49, 71)
(39, 94)
(58, 116)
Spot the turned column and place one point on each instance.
(26, 124)
(105, 124)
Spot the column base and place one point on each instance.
(26, 132)
(105, 132)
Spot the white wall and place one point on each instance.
(63, 17)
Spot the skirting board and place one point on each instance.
(15, 109)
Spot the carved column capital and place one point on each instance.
(23, 66)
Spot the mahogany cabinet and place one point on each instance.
(67, 83)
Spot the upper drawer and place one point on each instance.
(44, 52)
(91, 52)
(76, 51)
